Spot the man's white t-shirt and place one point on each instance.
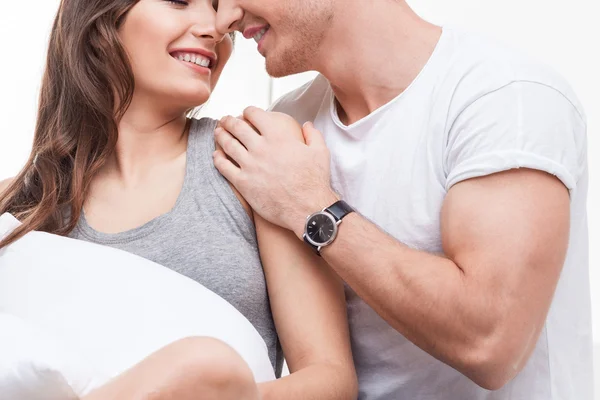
(475, 109)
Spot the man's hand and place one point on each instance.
(283, 169)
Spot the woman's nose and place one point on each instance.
(207, 31)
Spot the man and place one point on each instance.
(466, 261)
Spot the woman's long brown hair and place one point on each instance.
(87, 87)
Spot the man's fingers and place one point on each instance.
(242, 131)
(259, 118)
(231, 146)
(226, 167)
(312, 136)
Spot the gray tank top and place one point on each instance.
(207, 236)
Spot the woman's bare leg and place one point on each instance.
(189, 369)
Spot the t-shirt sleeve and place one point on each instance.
(521, 125)
(303, 103)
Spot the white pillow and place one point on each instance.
(111, 308)
(35, 367)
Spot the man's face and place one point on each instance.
(288, 32)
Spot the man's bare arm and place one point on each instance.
(479, 308)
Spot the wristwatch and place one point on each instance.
(322, 227)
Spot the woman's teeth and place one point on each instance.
(195, 59)
(260, 34)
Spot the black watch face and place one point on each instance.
(320, 228)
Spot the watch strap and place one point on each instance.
(339, 210)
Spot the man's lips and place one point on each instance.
(249, 33)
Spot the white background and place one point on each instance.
(562, 33)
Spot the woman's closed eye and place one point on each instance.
(178, 2)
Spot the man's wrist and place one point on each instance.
(312, 205)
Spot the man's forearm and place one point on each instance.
(425, 297)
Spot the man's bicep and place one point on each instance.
(509, 232)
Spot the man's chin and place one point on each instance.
(279, 67)
(276, 73)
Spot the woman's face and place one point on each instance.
(175, 52)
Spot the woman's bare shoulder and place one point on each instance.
(4, 184)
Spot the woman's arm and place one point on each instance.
(309, 309)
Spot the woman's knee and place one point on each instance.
(187, 369)
(211, 367)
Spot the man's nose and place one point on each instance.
(229, 16)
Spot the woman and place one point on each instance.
(116, 161)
